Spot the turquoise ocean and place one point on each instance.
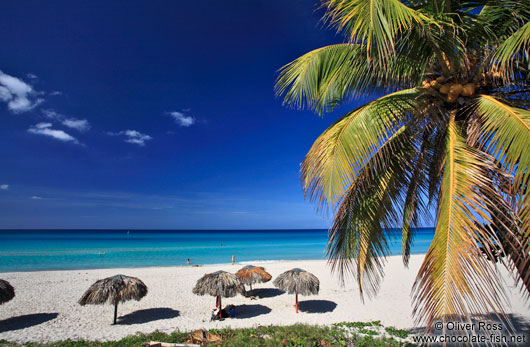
(31, 250)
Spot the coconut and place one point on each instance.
(441, 79)
(444, 89)
(426, 84)
(452, 97)
(435, 85)
(468, 89)
(455, 89)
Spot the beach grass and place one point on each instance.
(341, 334)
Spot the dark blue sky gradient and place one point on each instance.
(124, 65)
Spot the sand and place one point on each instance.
(45, 307)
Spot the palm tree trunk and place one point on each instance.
(115, 312)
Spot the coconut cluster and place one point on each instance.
(452, 89)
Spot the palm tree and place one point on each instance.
(451, 134)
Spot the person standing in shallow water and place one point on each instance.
(188, 261)
(233, 259)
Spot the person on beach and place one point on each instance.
(233, 259)
(214, 315)
(188, 261)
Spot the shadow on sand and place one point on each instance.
(316, 306)
(266, 292)
(148, 315)
(249, 311)
(25, 321)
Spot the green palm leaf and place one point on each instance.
(374, 23)
(505, 133)
(516, 45)
(357, 242)
(317, 79)
(345, 147)
(454, 280)
(416, 191)
(324, 77)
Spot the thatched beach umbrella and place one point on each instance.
(7, 292)
(219, 284)
(297, 281)
(253, 274)
(115, 289)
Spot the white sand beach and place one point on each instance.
(45, 307)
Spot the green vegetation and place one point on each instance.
(397, 332)
(360, 325)
(298, 335)
(445, 140)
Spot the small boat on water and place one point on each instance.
(101, 253)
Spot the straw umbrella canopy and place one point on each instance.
(253, 274)
(115, 289)
(219, 284)
(7, 292)
(297, 281)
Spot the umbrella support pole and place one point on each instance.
(220, 304)
(115, 312)
(296, 302)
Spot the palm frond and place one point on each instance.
(374, 23)
(517, 45)
(357, 242)
(316, 80)
(501, 18)
(344, 148)
(323, 78)
(416, 192)
(521, 258)
(505, 134)
(455, 281)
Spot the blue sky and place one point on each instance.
(154, 114)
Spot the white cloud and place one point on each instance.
(32, 76)
(46, 130)
(4, 186)
(43, 125)
(136, 137)
(5, 94)
(181, 119)
(19, 96)
(74, 123)
(49, 113)
(35, 197)
(132, 136)
(56, 92)
(78, 124)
